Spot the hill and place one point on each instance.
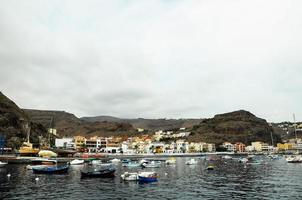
(13, 123)
(237, 126)
(149, 124)
(68, 124)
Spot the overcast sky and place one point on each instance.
(153, 59)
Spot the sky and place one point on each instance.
(153, 59)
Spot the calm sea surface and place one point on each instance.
(272, 179)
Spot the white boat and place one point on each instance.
(294, 159)
(243, 160)
(115, 160)
(30, 167)
(76, 162)
(41, 162)
(192, 161)
(96, 162)
(127, 176)
(153, 164)
(2, 164)
(143, 161)
(227, 157)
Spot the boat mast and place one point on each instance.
(272, 138)
(295, 126)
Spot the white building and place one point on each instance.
(229, 146)
(67, 143)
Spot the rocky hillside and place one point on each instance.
(13, 123)
(233, 127)
(68, 124)
(149, 124)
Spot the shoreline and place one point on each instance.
(12, 159)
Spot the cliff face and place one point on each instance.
(13, 122)
(238, 126)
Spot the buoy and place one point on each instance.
(37, 179)
(8, 175)
(166, 173)
(244, 166)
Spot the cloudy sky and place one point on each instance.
(153, 59)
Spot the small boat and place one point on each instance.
(192, 161)
(143, 161)
(127, 176)
(51, 169)
(210, 167)
(147, 177)
(152, 164)
(115, 160)
(126, 161)
(171, 161)
(243, 160)
(98, 173)
(76, 162)
(41, 162)
(131, 164)
(294, 159)
(2, 164)
(96, 162)
(227, 157)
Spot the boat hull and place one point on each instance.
(98, 174)
(143, 179)
(51, 170)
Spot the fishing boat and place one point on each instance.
(152, 164)
(27, 148)
(130, 176)
(98, 173)
(41, 162)
(76, 162)
(2, 164)
(131, 164)
(51, 169)
(147, 177)
(192, 161)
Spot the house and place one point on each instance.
(229, 146)
(79, 141)
(239, 147)
(260, 146)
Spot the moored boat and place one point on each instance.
(147, 177)
(294, 159)
(51, 169)
(152, 164)
(98, 173)
(131, 164)
(41, 162)
(2, 164)
(76, 162)
(192, 161)
(130, 176)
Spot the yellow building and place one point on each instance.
(79, 141)
(285, 146)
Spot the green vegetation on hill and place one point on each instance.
(237, 126)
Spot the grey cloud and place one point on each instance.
(153, 58)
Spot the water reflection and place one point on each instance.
(229, 179)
